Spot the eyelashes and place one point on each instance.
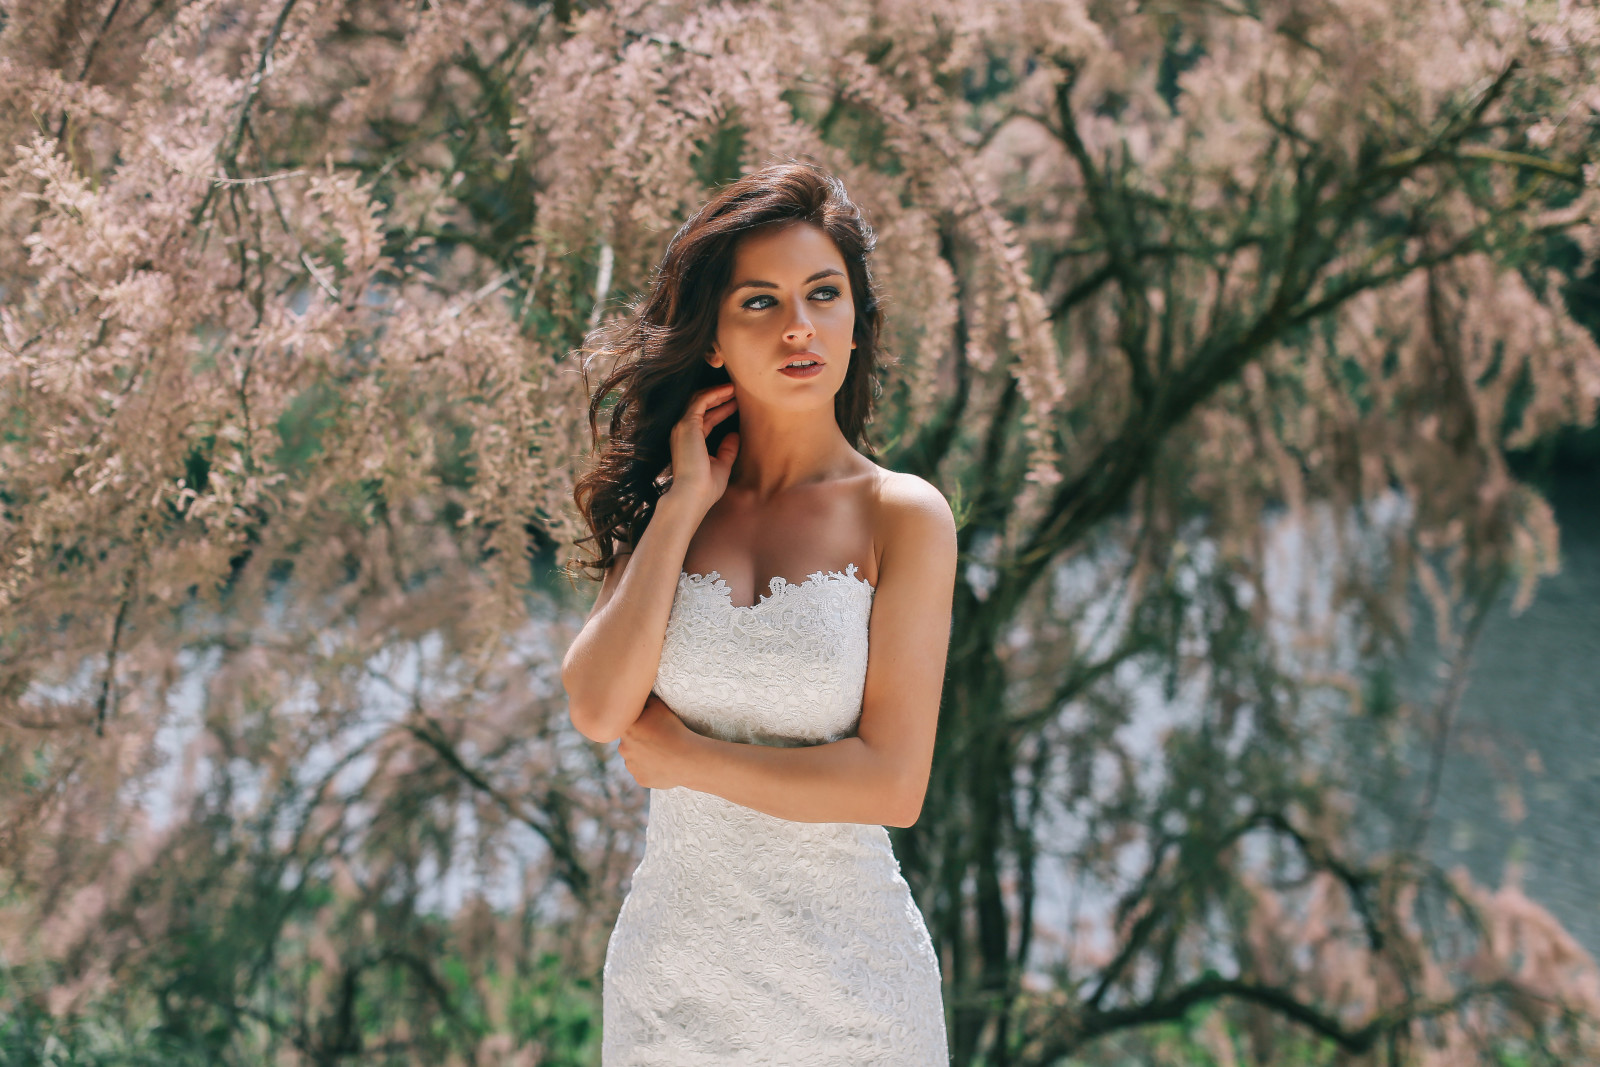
(830, 293)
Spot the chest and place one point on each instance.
(815, 530)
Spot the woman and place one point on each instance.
(768, 921)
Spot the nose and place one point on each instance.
(799, 329)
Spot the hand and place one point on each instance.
(656, 746)
(696, 474)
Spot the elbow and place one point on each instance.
(588, 722)
(903, 822)
(580, 710)
(900, 790)
(907, 809)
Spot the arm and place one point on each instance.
(610, 668)
(879, 776)
(841, 781)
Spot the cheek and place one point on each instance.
(739, 341)
(840, 319)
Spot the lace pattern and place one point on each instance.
(748, 939)
(787, 670)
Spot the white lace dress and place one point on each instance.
(748, 939)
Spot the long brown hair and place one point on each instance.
(658, 351)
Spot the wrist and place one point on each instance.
(678, 505)
(690, 746)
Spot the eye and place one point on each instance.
(827, 292)
(753, 306)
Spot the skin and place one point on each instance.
(787, 495)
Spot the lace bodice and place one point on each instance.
(786, 670)
(749, 940)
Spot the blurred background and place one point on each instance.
(1252, 343)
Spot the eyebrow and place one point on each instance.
(753, 284)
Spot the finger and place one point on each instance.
(694, 415)
(707, 398)
(718, 413)
(728, 448)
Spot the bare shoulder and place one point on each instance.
(912, 499)
(914, 524)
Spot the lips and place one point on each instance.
(812, 369)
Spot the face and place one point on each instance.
(789, 299)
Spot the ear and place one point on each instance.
(715, 358)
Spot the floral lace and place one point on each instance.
(748, 939)
(786, 670)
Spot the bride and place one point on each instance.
(768, 921)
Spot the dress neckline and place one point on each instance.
(777, 585)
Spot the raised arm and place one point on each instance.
(879, 776)
(611, 667)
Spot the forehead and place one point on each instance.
(774, 252)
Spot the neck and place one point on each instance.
(779, 450)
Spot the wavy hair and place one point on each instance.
(658, 351)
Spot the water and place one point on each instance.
(1528, 735)
(1521, 778)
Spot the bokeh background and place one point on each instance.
(1251, 340)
